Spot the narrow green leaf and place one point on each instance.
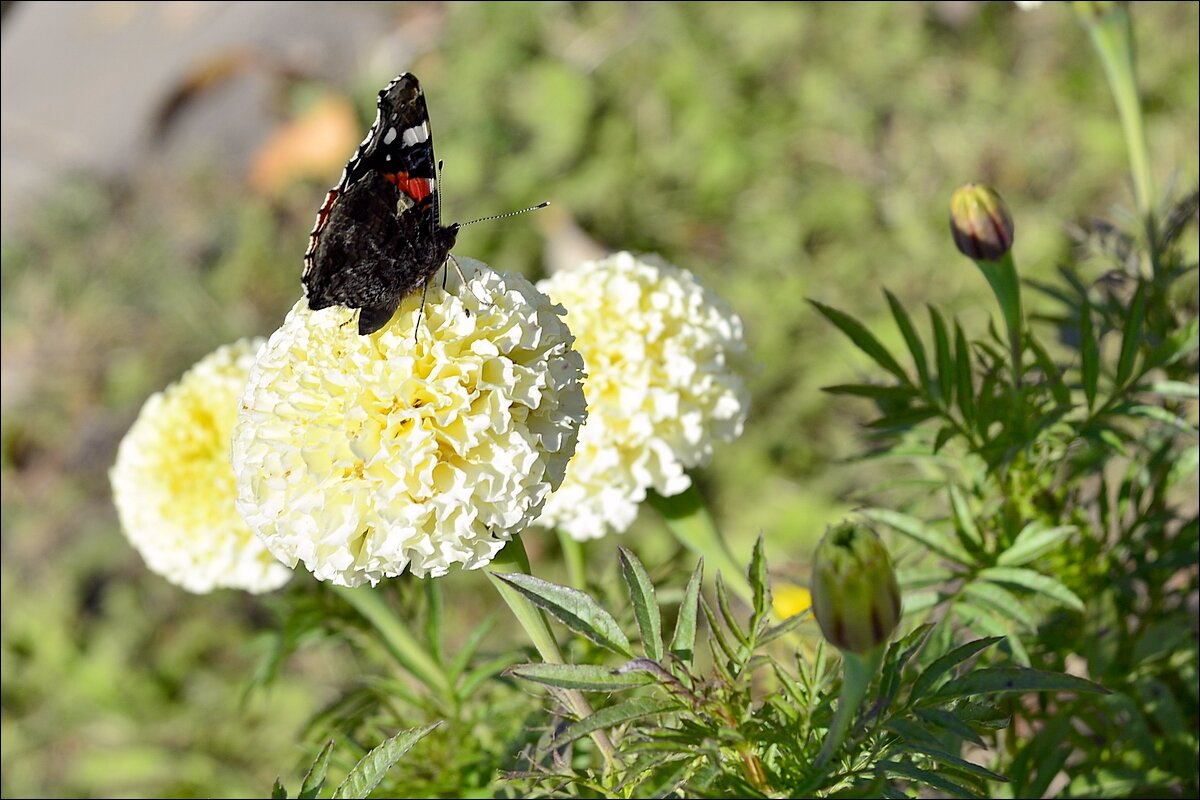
(372, 768)
(758, 579)
(1058, 388)
(314, 779)
(1001, 680)
(683, 643)
(964, 520)
(467, 650)
(949, 722)
(784, 628)
(916, 530)
(611, 716)
(930, 779)
(1132, 339)
(1001, 601)
(1032, 542)
(951, 760)
(983, 620)
(904, 323)
(645, 603)
(433, 619)
(1158, 415)
(278, 791)
(572, 608)
(1034, 581)
(486, 671)
(872, 391)
(964, 371)
(945, 663)
(1089, 354)
(904, 419)
(727, 613)
(945, 364)
(585, 677)
(1176, 389)
(863, 339)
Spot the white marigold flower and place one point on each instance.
(661, 387)
(173, 484)
(412, 447)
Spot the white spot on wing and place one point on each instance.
(390, 136)
(416, 134)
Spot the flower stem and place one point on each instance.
(572, 550)
(1111, 31)
(514, 559)
(688, 519)
(397, 638)
(857, 672)
(1001, 275)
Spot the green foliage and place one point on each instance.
(752, 726)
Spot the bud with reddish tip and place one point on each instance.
(980, 222)
(855, 597)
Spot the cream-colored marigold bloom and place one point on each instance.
(661, 386)
(417, 447)
(173, 485)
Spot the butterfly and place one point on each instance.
(378, 236)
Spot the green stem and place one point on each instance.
(857, 672)
(514, 559)
(397, 638)
(1001, 275)
(1111, 31)
(572, 550)
(689, 521)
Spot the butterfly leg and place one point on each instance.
(463, 278)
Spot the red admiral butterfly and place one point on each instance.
(378, 235)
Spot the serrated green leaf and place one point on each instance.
(683, 643)
(1089, 354)
(1032, 542)
(915, 347)
(1002, 680)
(862, 338)
(573, 608)
(727, 615)
(372, 768)
(1132, 339)
(947, 662)
(314, 779)
(645, 603)
(916, 530)
(758, 578)
(963, 519)
(1001, 601)
(611, 716)
(585, 677)
(945, 363)
(278, 791)
(1034, 581)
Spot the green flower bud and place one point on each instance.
(855, 596)
(980, 222)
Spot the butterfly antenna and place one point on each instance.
(542, 204)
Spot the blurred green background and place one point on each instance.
(780, 151)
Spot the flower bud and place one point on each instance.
(980, 222)
(855, 596)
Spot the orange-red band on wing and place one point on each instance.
(416, 188)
